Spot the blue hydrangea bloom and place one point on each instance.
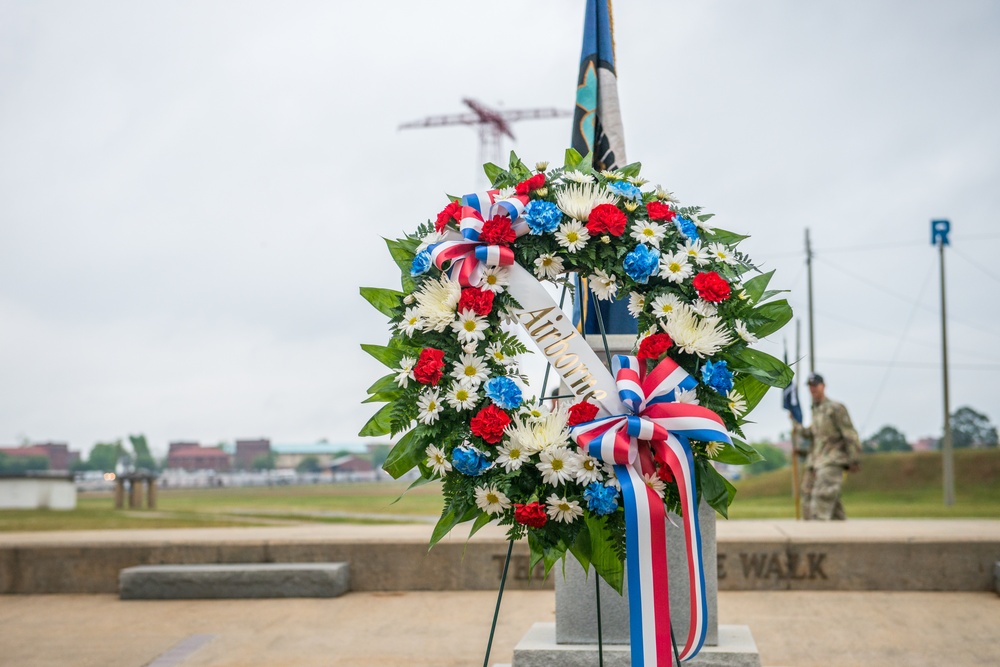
(641, 263)
(469, 461)
(688, 229)
(625, 189)
(601, 499)
(503, 392)
(717, 376)
(421, 263)
(543, 217)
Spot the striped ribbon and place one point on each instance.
(659, 427)
(467, 255)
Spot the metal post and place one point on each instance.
(947, 456)
(812, 329)
(795, 435)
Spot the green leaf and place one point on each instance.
(715, 489)
(739, 454)
(449, 519)
(535, 552)
(481, 521)
(418, 482)
(755, 286)
(631, 169)
(751, 389)
(389, 356)
(761, 365)
(384, 396)
(384, 300)
(405, 455)
(383, 383)
(581, 547)
(573, 159)
(379, 424)
(403, 253)
(726, 237)
(602, 553)
(771, 317)
(769, 293)
(517, 168)
(493, 172)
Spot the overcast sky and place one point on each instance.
(191, 193)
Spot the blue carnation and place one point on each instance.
(625, 189)
(601, 499)
(543, 217)
(641, 263)
(503, 392)
(469, 461)
(421, 263)
(687, 228)
(717, 376)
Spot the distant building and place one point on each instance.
(928, 444)
(350, 463)
(290, 456)
(192, 456)
(248, 450)
(57, 454)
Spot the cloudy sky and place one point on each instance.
(191, 193)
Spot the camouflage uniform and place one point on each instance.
(835, 447)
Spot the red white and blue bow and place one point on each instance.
(468, 255)
(656, 426)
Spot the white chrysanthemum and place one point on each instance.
(665, 304)
(437, 460)
(505, 193)
(720, 253)
(675, 267)
(664, 195)
(701, 221)
(636, 303)
(612, 175)
(637, 181)
(647, 231)
(603, 286)
(713, 449)
(689, 396)
(695, 252)
(469, 326)
(705, 308)
(577, 201)
(548, 266)
(737, 404)
(411, 322)
(495, 279)
(436, 302)
(695, 335)
(572, 235)
(655, 483)
(744, 333)
(490, 500)
(405, 372)
(588, 470)
(563, 510)
(742, 295)
(430, 239)
(557, 465)
(470, 370)
(462, 398)
(429, 406)
(578, 176)
(512, 455)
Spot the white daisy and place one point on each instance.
(548, 266)
(495, 279)
(577, 201)
(665, 304)
(694, 335)
(430, 239)
(405, 372)
(744, 333)
(437, 460)
(612, 480)
(541, 165)
(675, 267)
(578, 176)
(713, 449)
(504, 193)
(462, 398)
(533, 412)
(721, 253)
(429, 405)
(664, 195)
(695, 252)
(436, 302)
(689, 396)
(705, 308)
(612, 175)
(737, 404)
(647, 231)
(470, 370)
(557, 465)
(512, 456)
(702, 222)
(495, 352)
(588, 470)
(469, 326)
(572, 235)
(411, 322)
(602, 285)
(490, 500)
(636, 303)
(742, 295)
(655, 483)
(563, 510)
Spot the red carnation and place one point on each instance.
(711, 286)
(533, 183)
(532, 514)
(653, 347)
(581, 412)
(664, 473)
(489, 424)
(659, 211)
(477, 300)
(606, 218)
(497, 231)
(446, 215)
(429, 365)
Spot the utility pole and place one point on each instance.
(812, 329)
(939, 237)
(795, 438)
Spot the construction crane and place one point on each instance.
(493, 124)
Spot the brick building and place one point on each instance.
(57, 453)
(192, 456)
(248, 450)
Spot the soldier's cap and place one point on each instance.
(815, 378)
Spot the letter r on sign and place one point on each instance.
(939, 232)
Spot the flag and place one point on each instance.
(790, 397)
(597, 129)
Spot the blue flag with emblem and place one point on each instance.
(790, 398)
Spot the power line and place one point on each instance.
(888, 245)
(992, 367)
(975, 264)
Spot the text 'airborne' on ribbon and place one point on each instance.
(556, 337)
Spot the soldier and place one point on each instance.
(835, 449)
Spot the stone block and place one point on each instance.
(996, 577)
(234, 580)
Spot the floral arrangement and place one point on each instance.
(457, 395)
